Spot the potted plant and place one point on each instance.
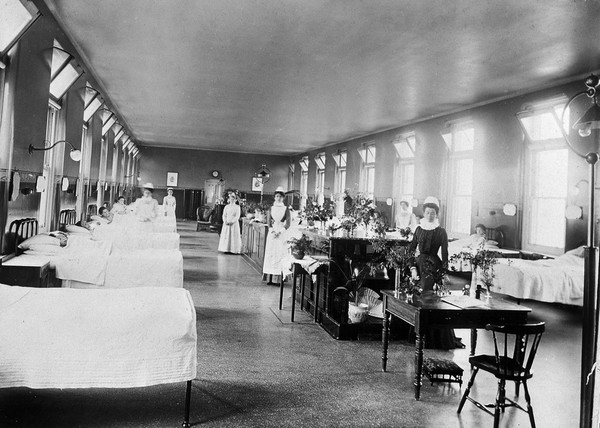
(355, 276)
(299, 246)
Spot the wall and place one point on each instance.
(194, 167)
(498, 164)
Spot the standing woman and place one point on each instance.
(231, 240)
(429, 240)
(169, 203)
(278, 220)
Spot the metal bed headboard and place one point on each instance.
(22, 229)
(67, 217)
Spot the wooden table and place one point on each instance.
(430, 310)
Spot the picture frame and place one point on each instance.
(257, 184)
(172, 179)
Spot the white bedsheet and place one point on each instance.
(124, 240)
(83, 260)
(144, 268)
(557, 280)
(63, 338)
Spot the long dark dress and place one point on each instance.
(429, 265)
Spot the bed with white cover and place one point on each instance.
(558, 280)
(86, 263)
(64, 338)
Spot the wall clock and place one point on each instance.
(215, 173)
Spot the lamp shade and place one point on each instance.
(75, 155)
(591, 118)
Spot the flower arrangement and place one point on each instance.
(299, 246)
(361, 210)
(482, 262)
(315, 212)
(400, 258)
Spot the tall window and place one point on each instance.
(320, 177)
(54, 132)
(404, 170)
(303, 181)
(367, 173)
(291, 172)
(546, 191)
(339, 184)
(460, 141)
(64, 72)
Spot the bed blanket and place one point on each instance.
(83, 260)
(65, 338)
(557, 280)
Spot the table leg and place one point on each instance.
(281, 291)
(385, 340)
(316, 297)
(473, 340)
(293, 291)
(302, 286)
(418, 363)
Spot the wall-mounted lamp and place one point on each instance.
(509, 210)
(584, 125)
(75, 154)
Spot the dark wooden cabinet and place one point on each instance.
(254, 240)
(27, 273)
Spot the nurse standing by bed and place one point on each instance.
(146, 207)
(231, 240)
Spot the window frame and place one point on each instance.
(457, 154)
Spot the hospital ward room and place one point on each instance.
(316, 213)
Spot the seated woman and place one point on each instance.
(405, 217)
(119, 206)
(477, 240)
(146, 207)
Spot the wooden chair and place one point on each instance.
(203, 217)
(515, 347)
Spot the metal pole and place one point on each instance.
(590, 315)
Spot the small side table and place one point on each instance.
(26, 271)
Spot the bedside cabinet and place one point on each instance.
(26, 272)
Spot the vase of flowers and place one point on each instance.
(299, 246)
(482, 265)
(399, 258)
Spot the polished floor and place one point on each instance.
(257, 369)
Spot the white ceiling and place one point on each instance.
(287, 76)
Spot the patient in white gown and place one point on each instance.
(146, 207)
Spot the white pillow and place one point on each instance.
(42, 238)
(579, 251)
(71, 228)
(491, 243)
(45, 249)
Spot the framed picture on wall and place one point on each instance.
(172, 178)
(257, 184)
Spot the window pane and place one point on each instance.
(404, 150)
(463, 175)
(370, 181)
(370, 154)
(407, 184)
(548, 222)
(461, 214)
(463, 139)
(550, 176)
(542, 126)
(14, 18)
(343, 158)
(63, 81)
